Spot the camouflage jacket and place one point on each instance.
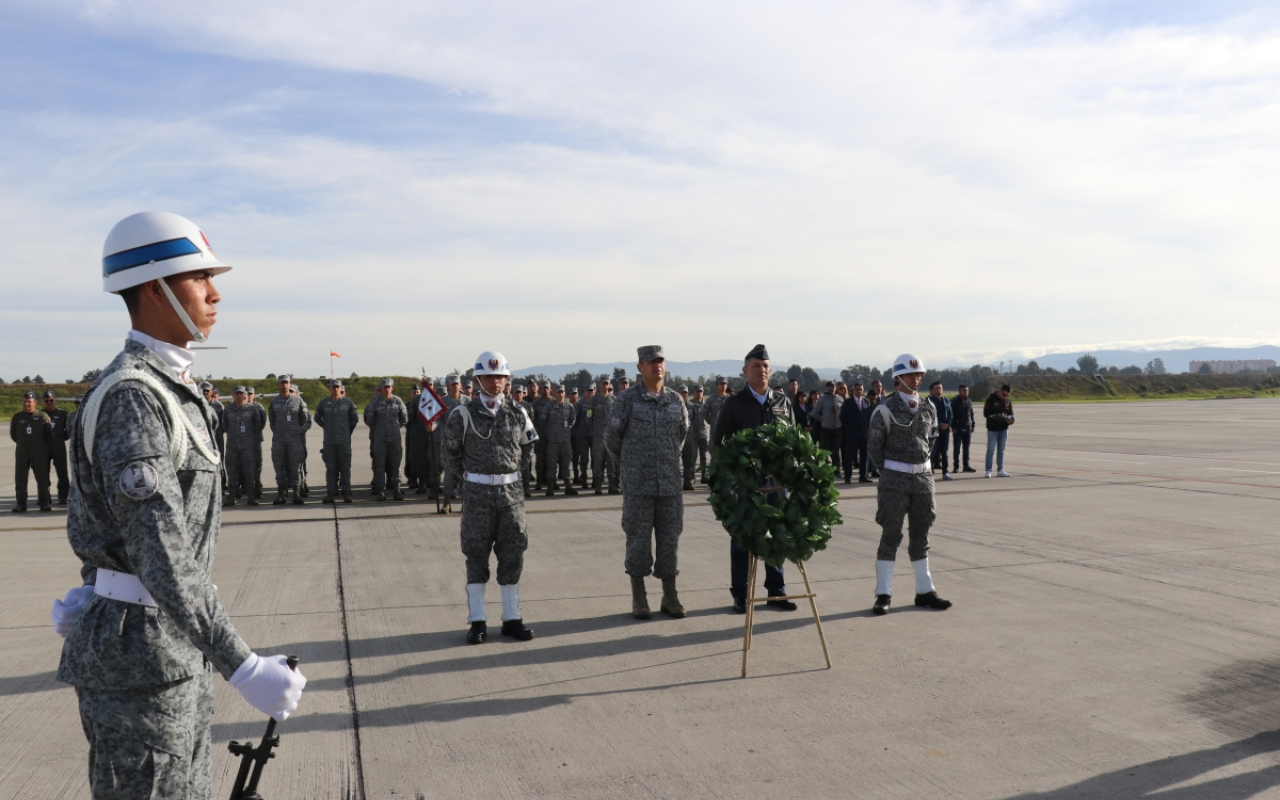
(699, 427)
(490, 445)
(289, 418)
(646, 434)
(711, 408)
(132, 511)
(262, 417)
(599, 412)
(581, 422)
(338, 418)
(557, 421)
(385, 418)
(898, 435)
(241, 424)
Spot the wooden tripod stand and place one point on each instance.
(751, 609)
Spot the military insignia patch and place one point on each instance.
(139, 480)
(914, 363)
(493, 364)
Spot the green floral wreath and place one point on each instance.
(763, 522)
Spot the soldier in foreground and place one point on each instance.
(146, 631)
(645, 435)
(899, 442)
(32, 432)
(241, 422)
(57, 443)
(488, 442)
(337, 416)
(558, 416)
(290, 420)
(386, 415)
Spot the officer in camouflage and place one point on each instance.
(452, 399)
(711, 407)
(899, 442)
(146, 630)
(386, 415)
(488, 442)
(337, 416)
(582, 438)
(602, 461)
(645, 436)
(411, 432)
(699, 433)
(32, 432)
(241, 422)
(58, 442)
(210, 393)
(261, 414)
(290, 420)
(558, 416)
(689, 452)
(539, 397)
(526, 474)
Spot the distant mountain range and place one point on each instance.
(1174, 361)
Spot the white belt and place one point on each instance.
(123, 587)
(902, 466)
(493, 480)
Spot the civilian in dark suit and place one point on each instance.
(853, 422)
(754, 406)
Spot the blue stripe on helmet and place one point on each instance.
(899, 366)
(160, 251)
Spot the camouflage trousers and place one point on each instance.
(240, 464)
(150, 744)
(337, 466)
(649, 517)
(601, 462)
(540, 459)
(559, 456)
(286, 455)
(581, 457)
(495, 529)
(891, 508)
(421, 455)
(386, 463)
(694, 449)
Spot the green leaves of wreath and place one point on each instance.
(762, 522)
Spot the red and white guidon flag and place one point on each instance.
(430, 406)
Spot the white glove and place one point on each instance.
(66, 610)
(269, 685)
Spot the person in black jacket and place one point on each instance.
(754, 406)
(999, 413)
(962, 425)
(853, 423)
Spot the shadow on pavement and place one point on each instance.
(1155, 778)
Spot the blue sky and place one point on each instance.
(406, 183)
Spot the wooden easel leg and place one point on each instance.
(813, 603)
(751, 612)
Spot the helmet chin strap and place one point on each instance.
(196, 335)
(485, 393)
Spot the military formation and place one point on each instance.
(148, 460)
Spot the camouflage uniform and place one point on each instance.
(142, 675)
(339, 419)
(540, 464)
(385, 418)
(437, 435)
(581, 442)
(557, 428)
(711, 410)
(492, 516)
(526, 473)
(696, 442)
(900, 495)
(290, 420)
(242, 444)
(261, 414)
(32, 433)
(220, 436)
(645, 435)
(602, 460)
(58, 450)
(417, 444)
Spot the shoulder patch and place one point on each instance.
(139, 480)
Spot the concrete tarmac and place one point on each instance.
(1116, 634)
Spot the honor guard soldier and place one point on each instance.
(241, 420)
(32, 432)
(488, 441)
(385, 415)
(58, 442)
(645, 436)
(290, 420)
(603, 463)
(899, 442)
(756, 405)
(146, 631)
(558, 417)
(337, 416)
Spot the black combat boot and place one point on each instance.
(280, 497)
(252, 501)
(346, 496)
(479, 632)
(598, 488)
(613, 486)
(570, 491)
(931, 600)
(882, 605)
(397, 494)
(328, 499)
(551, 491)
(380, 497)
(297, 497)
(516, 630)
(422, 489)
(230, 500)
(688, 486)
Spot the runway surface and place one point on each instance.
(1116, 633)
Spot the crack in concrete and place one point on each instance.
(351, 677)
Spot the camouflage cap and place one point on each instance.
(205, 386)
(557, 387)
(335, 384)
(250, 390)
(515, 387)
(28, 395)
(697, 388)
(452, 379)
(682, 388)
(573, 390)
(284, 378)
(650, 352)
(385, 382)
(49, 395)
(239, 390)
(722, 381)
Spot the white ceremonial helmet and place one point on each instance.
(154, 245)
(906, 364)
(491, 362)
